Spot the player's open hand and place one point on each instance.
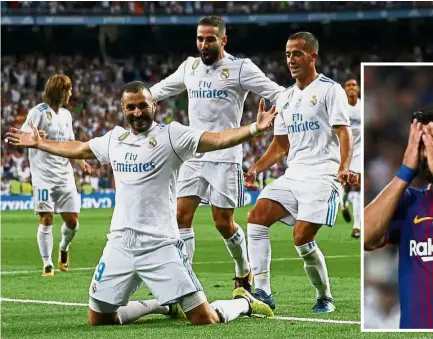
(347, 177)
(411, 155)
(265, 119)
(250, 180)
(17, 137)
(427, 138)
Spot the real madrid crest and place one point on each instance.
(123, 136)
(152, 142)
(195, 64)
(225, 73)
(313, 101)
(49, 116)
(94, 287)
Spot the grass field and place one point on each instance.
(21, 279)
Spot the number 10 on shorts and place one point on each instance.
(42, 195)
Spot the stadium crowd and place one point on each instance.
(197, 7)
(392, 93)
(95, 106)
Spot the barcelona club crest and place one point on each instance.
(49, 116)
(313, 101)
(123, 136)
(152, 142)
(225, 73)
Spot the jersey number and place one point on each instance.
(42, 194)
(99, 271)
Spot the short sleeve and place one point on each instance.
(170, 86)
(280, 127)
(251, 78)
(337, 105)
(399, 219)
(184, 140)
(35, 116)
(100, 147)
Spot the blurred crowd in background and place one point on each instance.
(107, 57)
(392, 93)
(196, 7)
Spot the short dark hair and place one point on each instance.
(351, 77)
(134, 87)
(311, 41)
(214, 21)
(424, 115)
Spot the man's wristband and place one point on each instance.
(253, 129)
(406, 174)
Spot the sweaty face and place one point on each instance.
(139, 110)
(209, 44)
(351, 87)
(298, 58)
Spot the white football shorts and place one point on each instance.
(313, 202)
(355, 165)
(220, 184)
(165, 271)
(56, 199)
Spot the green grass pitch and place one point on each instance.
(21, 279)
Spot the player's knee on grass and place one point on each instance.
(197, 309)
(304, 232)
(70, 219)
(102, 313)
(46, 218)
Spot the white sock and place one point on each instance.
(315, 267)
(67, 235)
(137, 309)
(45, 243)
(229, 310)
(187, 235)
(356, 210)
(237, 247)
(259, 252)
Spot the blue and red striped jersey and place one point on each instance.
(412, 230)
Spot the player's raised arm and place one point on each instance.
(379, 213)
(251, 78)
(66, 149)
(170, 86)
(212, 141)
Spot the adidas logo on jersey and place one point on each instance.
(423, 249)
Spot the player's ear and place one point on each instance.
(314, 56)
(224, 40)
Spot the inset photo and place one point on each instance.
(398, 197)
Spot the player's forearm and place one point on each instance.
(273, 154)
(346, 145)
(66, 149)
(213, 141)
(378, 214)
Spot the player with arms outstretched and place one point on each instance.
(217, 84)
(144, 243)
(403, 216)
(53, 180)
(312, 126)
(352, 91)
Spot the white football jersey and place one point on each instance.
(145, 168)
(216, 96)
(307, 117)
(48, 169)
(355, 124)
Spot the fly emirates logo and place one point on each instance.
(423, 249)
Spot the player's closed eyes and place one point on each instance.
(141, 106)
